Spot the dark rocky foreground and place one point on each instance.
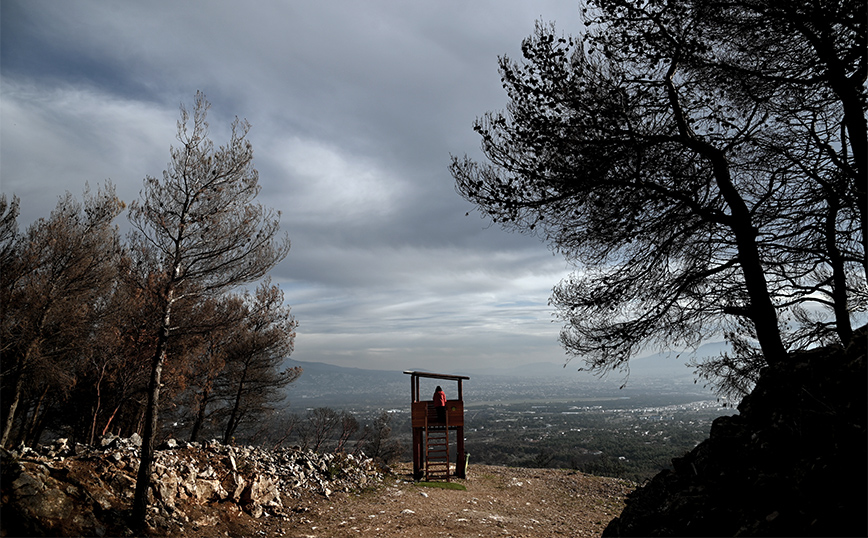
(87, 491)
(791, 463)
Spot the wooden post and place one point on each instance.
(417, 453)
(459, 453)
(412, 388)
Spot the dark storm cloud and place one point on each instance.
(355, 107)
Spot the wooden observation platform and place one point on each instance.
(431, 436)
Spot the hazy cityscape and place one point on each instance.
(543, 415)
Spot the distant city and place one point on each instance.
(542, 415)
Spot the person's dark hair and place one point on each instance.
(438, 388)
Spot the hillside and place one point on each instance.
(791, 463)
(214, 490)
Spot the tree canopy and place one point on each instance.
(702, 164)
(53, 278)
(89, 322)
(201, 233)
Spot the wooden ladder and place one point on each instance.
(436, 450)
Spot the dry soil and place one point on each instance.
(498, 501)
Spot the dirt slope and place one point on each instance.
(498, 501)
(291, 493)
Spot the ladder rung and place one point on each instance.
(437, 464)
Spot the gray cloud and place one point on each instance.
(355, 107)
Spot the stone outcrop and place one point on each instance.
(68, 490)
(791, 463)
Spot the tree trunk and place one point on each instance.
(19, 372)
(10, 416)
(848, 92)
(761, 311)
(233, 417)
(200, 416)
(143, 478)
(111, 418)
(839, 278)
(96, 406)
(37, 423)
(38, 428)
(17, 389)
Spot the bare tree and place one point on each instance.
(349, 427)
(204, 233)
(319, 426)
(281, 428)
(378, 442)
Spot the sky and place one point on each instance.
(355, 110)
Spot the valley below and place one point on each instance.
(543, 416)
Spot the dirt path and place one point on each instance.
(498, 501)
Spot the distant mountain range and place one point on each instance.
(324, 384)
(673, 362)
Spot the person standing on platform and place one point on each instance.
(440, 404)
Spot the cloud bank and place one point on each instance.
(356, 108)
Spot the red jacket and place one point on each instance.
(440, 398)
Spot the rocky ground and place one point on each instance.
(498, 501)
(213, 490)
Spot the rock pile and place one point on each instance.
(791, 463)
(81, 490)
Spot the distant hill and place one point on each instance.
(674, 362)
(328, 385)
(670, 363)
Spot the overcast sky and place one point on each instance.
(355, 107)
